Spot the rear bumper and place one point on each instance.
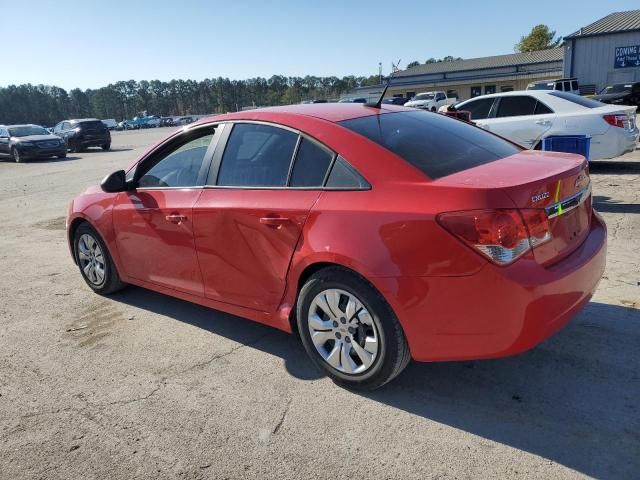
(96, 141)
(617, 141)
(498, 311)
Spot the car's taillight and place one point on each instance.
(615, 120)
(502, 235)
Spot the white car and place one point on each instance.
(431, 101)
(525, 117)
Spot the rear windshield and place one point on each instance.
(577, 99)
(434, 143)
(92, 124)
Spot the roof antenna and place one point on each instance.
(378, 104)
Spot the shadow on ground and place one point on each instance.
(40, 160)
(572, 400)
(607, 204)
(613, 167)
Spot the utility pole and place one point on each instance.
(380, 71)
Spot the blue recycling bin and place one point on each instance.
(579, 144)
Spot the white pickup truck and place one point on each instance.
(431, 101)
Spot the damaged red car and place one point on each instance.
(379, 233)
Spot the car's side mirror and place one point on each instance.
(115, 182)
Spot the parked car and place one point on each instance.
(395, 100)
(317, 100)
(620, 94)
(183, 121)
(22, 142)
(380, 234)
(525, 117)
(353, 100)
(166, 122)
(430, 101)
(110, 123)
(82, 133)
(561, 84)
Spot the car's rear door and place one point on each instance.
(521, 118)
(250, 216)
(154, 224)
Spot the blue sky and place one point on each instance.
(90, 43)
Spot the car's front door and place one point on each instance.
(4, 142)
(522, 119)
(153, 223)
(249, 219)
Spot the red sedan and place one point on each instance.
(379, 234)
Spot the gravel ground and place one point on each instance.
(140, 385)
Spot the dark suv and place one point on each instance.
(82, 133)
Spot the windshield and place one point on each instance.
(27, 130)
(618, 88)
(423, 96)
(540, 86)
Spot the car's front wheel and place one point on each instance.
(106, 146)
(349, 330)
(17, 156)
(95, 263)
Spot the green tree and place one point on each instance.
(415, 63)
(540, 38)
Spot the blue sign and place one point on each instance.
(627, 57)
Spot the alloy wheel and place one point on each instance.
(91, 259)
(343, 331)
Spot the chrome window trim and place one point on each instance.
(568, 204)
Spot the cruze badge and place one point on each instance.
(539, 196)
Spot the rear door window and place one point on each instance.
(516, 106)
(257, 156)
(435, 144)
(542, 109)
(479, 108)
(311, 165)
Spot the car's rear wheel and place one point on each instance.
(64, 155)
(349, 330)
(17, 156)
(106, 146)
(95, 263)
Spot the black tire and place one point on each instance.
(111, 282)
(433, 109)
(64, 155)
(106, 146)
(393, 352)
(17, 157)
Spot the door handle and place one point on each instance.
(176, 218)
(543, 122)
(274, 221)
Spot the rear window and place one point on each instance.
(92, 124)
(435, 144)
(577, 99)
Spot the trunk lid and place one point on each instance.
(559, 183)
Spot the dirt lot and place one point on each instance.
(141, 385)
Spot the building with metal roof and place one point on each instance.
(476, 76)
(605, 52)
